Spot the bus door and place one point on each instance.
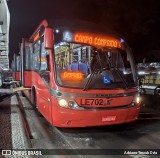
(42, 78)
(17, 68)
(26, 63)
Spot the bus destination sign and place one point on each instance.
(92, 39)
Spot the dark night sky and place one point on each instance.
(136, 20)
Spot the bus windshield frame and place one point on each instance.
(85, 66)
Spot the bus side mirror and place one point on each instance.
(48, 38)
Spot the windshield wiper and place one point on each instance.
(103, 69)
(122, 78)
(91, 77)
(117, 71)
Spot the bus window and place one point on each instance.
(106, 63)
(28, 58)
(44, 63)
(71, 57)
(43, 59)
(18, 63)
(36, 63)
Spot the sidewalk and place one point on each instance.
(12, 135)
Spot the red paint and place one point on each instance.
(84, 118)
(16, 75)
(28, 78)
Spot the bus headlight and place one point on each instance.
(72, 104)
(67, 104)
(136, 100)
(62, 103)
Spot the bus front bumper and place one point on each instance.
(63, 117)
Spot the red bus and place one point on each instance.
(79, 78)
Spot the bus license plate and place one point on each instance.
(92, 101)
(108, 118)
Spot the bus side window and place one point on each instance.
(36, 49)
(44, 69)
(28, 58)
(43, 58)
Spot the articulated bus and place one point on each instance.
(79, 78)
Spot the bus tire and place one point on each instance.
(34, 102)
(157, 91)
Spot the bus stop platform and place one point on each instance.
(12, 134)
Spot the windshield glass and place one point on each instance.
(83, 66)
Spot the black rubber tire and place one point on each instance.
(35, 103)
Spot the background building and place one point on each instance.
(4, 34)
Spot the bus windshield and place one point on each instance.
(87, 67)
(92, 61)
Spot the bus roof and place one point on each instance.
(77, 25)
(81, 25)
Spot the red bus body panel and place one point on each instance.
(17, 77)
(43, 96)
(28, 78)
(63, 117)
(74, 118)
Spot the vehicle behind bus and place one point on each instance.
(149, 74)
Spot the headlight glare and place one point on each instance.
(71, 104)
(138, 99)
(62, 102)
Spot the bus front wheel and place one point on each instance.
(34, 102)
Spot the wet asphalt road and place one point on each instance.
(141, 134)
